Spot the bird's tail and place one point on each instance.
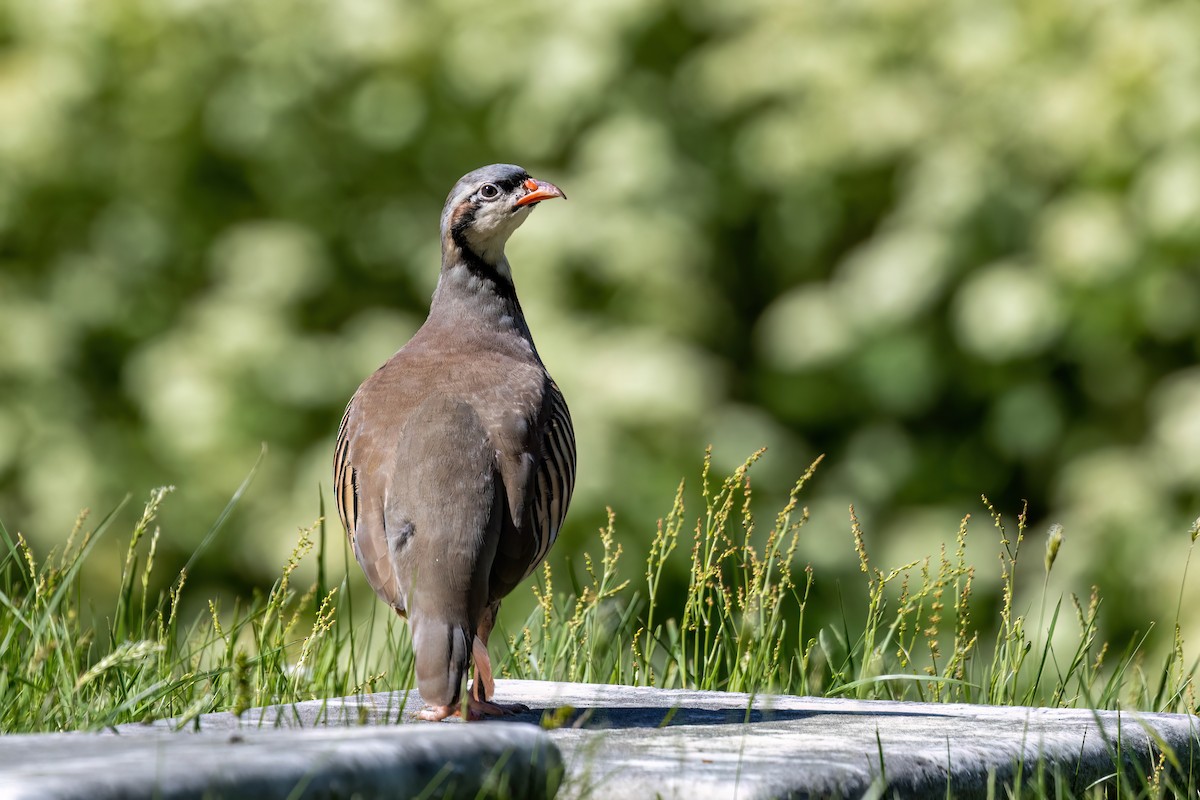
(443, 654)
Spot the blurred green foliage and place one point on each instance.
(954, 245)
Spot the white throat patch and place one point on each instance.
(489, 232)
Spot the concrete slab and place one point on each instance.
(364, 763)
(628, 742)
(624, 742)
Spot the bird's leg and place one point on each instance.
(480, 707)
(477, 705)
(470, 707)
(484, 685)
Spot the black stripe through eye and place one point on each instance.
(508, 184)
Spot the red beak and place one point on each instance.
(539, 191)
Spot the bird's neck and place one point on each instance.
(477, 292)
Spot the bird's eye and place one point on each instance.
(489, 191)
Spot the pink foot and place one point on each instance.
(476, 710)
(437, 713)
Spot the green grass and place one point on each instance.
(58, 672)
(742, 625)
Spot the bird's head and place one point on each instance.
(487, 205)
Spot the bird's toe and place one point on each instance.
(486, 708)
(437, 713)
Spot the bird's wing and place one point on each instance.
(362, 514)
(345, 478)
(538, 481)
(555, 477)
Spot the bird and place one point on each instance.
(455, 461)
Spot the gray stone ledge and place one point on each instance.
(624, 741)
(362, 763)
(629, 742)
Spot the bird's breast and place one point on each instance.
(505, 391)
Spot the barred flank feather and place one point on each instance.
(555, 475)
(345, 489)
